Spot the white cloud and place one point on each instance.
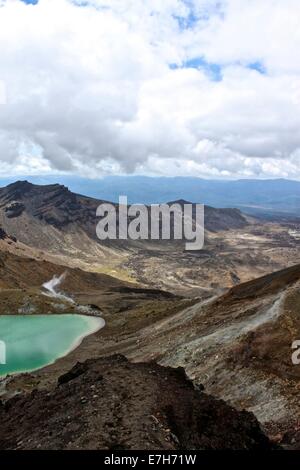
(93, 89)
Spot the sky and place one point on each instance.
(207, 88)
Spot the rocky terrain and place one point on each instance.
(53, 224)
(21, 289)
(227, 314)
(112, 404)
(238, 345)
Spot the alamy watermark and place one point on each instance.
(2, 353)
(296, 353)
(156, 222)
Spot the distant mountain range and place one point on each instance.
(24, 204)
(268, 198)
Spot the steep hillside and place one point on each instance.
(237, 345)
(21, 291)
(53, 224)
(113, 404)
(53, 204)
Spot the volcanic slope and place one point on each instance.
(21, 287)
(52, 223)
(237, 345)
(113, 404)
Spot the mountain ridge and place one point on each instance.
(51, 222)
(280, 197)
(89, 409)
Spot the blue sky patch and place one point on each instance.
(30, 2)
(258, 66)
(186, 22)
(214, 71)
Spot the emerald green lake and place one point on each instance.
(35, 341)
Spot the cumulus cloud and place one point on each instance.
(181, 87)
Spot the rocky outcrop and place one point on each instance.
(54, 204)
(224, 219)
(110, 403)
(14, 209)
(218, 219)
(3, 234)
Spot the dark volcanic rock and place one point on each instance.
(54, 204)
(218, 219)
(75, 372)
(110, 403)
(3, 234)
(14, 209)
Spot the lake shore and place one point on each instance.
(88, 325)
